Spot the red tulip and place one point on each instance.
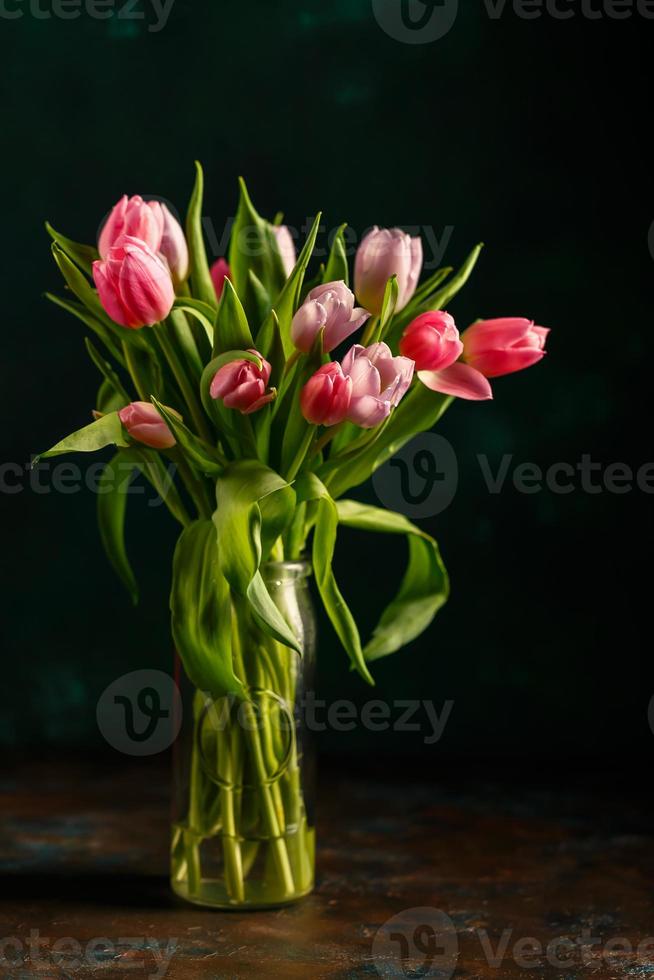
(134, 284)
(242, 385)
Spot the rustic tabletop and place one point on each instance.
(414, 880)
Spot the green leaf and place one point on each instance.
(201, 613)
(260, 297)
(107, 371)
(425, 587)
(309, 488)
(203, 457)
(391, 295)
(232, 331)
(106, 431)
(337, 266)
(200, 275)
(288, 300)
(254, 507)
(185, 340)
(418, 411)
(107, 400)
(253, 246)
(113, 488)
(203, 335)
(83, 255)
(91, 321)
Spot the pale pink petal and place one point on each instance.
(459, 380)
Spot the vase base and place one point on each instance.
(211, 895)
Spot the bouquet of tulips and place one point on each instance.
(235, 374)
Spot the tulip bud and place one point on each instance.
(379, 382)
(144, 424)
(329, 307)
(502, 346)
(325, 398)
(219, 272)
(135, 217)
(286, 247)
(384, 253)
(432, 341)
(242, 385)
(134, 284)
(173, 247)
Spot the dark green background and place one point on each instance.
(525, 134)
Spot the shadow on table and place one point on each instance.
(123, 891)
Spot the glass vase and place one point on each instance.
(243, 814)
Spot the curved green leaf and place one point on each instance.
(232, 330)
(108, 373)
(113, 488)
(201, 612)
(425, 586)
(199, 266)
(253, 246)
(83, 255)
(337, 266)
(254, 507)
(203, 457)
(309, 488)
(107, 431)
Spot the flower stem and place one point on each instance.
(186, 388)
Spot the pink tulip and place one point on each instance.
(384, 253)
(326, 396)
(135, 217)
(432, 341)
(144, 424)
(134, 284)
(173, 247)
(286, 247)
(379, 382)
(329, 307)
(242, 385)
(219, 272)
(502, 346)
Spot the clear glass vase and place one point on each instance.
(243, 813)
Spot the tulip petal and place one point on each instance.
(459, 380)
(495, 364)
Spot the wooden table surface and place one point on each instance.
(476, 879)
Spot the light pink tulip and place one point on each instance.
(173, 247)
(502, 346)
(325, 398)
(135, 217)
(329, 307)
(384, 253)
(379, 382)
(134, 284)
(242, 385)
(432, 341)
(144, 424)
(286, 247)
(219, 272)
